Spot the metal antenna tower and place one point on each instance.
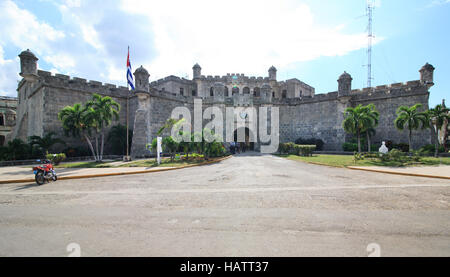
(370, 7)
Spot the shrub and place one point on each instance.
(429, 149)
(403, 147)
(56, 158)
(350, 147)
(311, 141)
(287, 148)
(304, 150)
(77, 152)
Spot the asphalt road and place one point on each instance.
(248, 205)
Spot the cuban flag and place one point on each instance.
(129, 75)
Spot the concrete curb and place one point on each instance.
(399, 173)
(116, 173)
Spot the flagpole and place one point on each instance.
(128, 93)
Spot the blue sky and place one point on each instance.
(314, 41)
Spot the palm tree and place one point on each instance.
(105, 110)
(411, 118)
(370, 131)
(169, 124)
(45, 142)
(78, 121)
(437, 117)
(359, 119)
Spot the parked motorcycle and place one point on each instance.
(44, 173)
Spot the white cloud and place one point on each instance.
(435, 3)
(168, 37)
(243, 36)
(9, 69)
(22, 29)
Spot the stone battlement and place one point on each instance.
(387, 88)
(61, 80)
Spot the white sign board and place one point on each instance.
(158, 149)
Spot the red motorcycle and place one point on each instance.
(44, 173)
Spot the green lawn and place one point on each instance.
(347, 160)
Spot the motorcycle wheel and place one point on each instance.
(40, 179)
(55, 178)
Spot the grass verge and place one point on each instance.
(347, 160)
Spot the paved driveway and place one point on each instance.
(248, 205)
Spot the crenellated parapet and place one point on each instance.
(80, 84)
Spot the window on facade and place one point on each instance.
(181, 91)
(226, 91)
(2, 140)
(273, 94)
(211, 91)
(194, 92)
(2, 120)
(284, 94)
(246, 90)
(301, 93)
(256, 92)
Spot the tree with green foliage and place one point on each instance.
(44, 143)
(369, 129)
(16, 150)
(412, 119)
(78, 121)
(105, 109)
(117, 138)
(437, 117)
(359, 119)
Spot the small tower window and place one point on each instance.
(194, 92)
(2, 120)
(273, 94)
(284, 94)
(2, 140)
(181, 91)
(211, 91)
(226, 91)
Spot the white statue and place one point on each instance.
(383, 149)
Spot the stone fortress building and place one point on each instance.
(302, 112)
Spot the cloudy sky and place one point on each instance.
(314, 41)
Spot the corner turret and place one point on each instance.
(345, 84)
(197, 71)
(141, 78)
(272, 73)
(28, 64)
(426, 75)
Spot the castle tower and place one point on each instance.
(197, 71)
(141, 78)
(426, 75)
(28, 64)
(141, 130)
(272, 73)
(345, 84)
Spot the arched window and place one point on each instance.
(235, 90)
(257, 92)
(273, 94)
(211, 91)
(2, 120)
(301, 93)
(226, 91)
(181, 91)
(246, 90)
(284, 94)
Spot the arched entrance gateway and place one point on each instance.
(247, 145)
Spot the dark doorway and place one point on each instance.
(247, 145)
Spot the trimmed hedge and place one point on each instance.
(296, 149)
